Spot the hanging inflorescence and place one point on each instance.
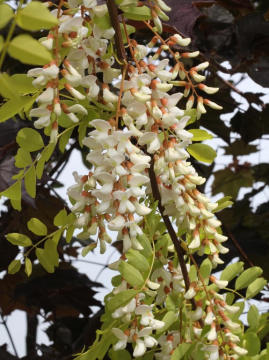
(138, 152)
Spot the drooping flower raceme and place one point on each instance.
(139, 116)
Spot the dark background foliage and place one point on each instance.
(231, 31)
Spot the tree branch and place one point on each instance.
(32, 324)
(4, 323)
(113, 13)
(170, 229)
(238, 247)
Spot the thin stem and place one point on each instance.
(182, 68)
(9, 35)
(238, 247)
(170, 229)
(123, 74)
(131, 46)
(9, 334)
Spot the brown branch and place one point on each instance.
(32, 323)
(113, 13)
(170, 229)
(4, 323)
(238, 247)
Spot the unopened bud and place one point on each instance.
(180, 40)
(163, 5)
(212, 105)
(207, 89)
(190, 54)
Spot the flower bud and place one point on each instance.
(163, 5)
(207, 89)
(180, 40)
(197, 77)
(212, 105)
(190, 54)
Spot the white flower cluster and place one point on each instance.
(111, 196)
(141, 126)
(140, 321)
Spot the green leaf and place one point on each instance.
(180, 351)
(119, 355)
(22, 158)
(13, 192)
(192, 113)
(22, 84)
(231, 271)
(6, 13)
(137, 13)
(40, 167)
(247, 277)
(252, 343)
(205, 270)
(13, 107)
(37, 227)
(130, 30)
(14, 267)
(223, 203)
(120, 299)
(16, 204)
(99, 349)
(136, 259)
(19, 239)
(69, 233)
(253, 317)
(131, 275)
(202, 152)
(36, 16)
(235, 316)
(88, 248)
(193, 273)
(44, 261)
(82, 132)
(61, 218)
(28, 50)
(64, 139)
(147, 249)
(48, 151)
(6, 87)
(50, 249)
(45, 156)
(255, 287)
(200, 135)
(103, 22)
(1, 43)
(30, 181)
(169, 318)
(28, 266)
(29, 139)
(229, 298)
